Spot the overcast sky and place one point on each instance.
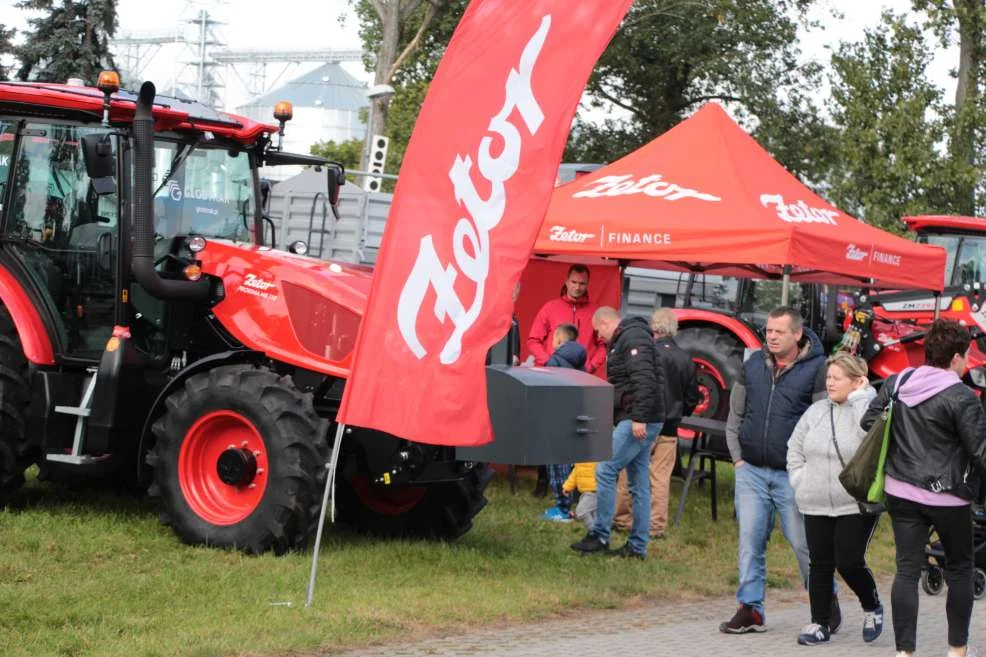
(297, 24)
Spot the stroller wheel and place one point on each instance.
(979, 584)
(932, 580)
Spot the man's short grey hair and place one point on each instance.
(797, 321)
(605, 313)
(664, 322)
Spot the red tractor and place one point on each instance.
(149, 331)
(886, 328)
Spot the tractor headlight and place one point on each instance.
(196, 243)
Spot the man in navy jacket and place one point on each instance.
(777, 384)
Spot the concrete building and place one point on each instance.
(327, 103)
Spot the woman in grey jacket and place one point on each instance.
(826, 436)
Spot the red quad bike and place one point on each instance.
(150, 332)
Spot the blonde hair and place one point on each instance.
(663, 321)
(852, 366)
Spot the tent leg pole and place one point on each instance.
(687, 301)
(937, 306)
(786, 285)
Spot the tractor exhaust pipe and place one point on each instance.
(143, 237)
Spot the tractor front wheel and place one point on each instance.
(239, 461)
(15, 393)
(718, 357)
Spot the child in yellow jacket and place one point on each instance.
(583, 479)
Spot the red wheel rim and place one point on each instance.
(706, 402)
(385, 500)
(208, 496)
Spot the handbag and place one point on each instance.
(863, 475)
(865, 508)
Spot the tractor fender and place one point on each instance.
(743, 331)
(30, 328)
(207, 363)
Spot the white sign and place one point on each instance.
(653, 185)
(638, 238)
(798, 211)
(564, 234)
(853, 252)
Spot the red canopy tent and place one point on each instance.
(706, 197)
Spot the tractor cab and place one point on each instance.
(964, 241)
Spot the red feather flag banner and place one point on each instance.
(473, 189)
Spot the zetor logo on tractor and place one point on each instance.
(148, 333)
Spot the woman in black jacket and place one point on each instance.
(935, 462)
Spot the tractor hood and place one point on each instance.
(295, 309)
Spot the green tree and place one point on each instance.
(671, 56)
(392, 30)
(346, 152)
(892, 121)
(423, 39)
(6, 48)
(71, 39)
(964, 21)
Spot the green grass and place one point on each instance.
(96, 574)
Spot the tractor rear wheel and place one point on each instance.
(239, 461)
(718, 357)
(435, 511)
(15, 390)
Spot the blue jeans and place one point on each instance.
(760, 491)
(557, 474)
(634, 455)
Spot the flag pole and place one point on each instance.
(330, 481)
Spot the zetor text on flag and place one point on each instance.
(473, 189)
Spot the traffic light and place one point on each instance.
(377, 159)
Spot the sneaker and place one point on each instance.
(814, 634)
(627, 552)
(835, 617)
(591, 544)
(872, 624)
(556, 515)
(746, 619)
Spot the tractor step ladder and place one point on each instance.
(81, 412)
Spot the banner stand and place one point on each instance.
(330, 481)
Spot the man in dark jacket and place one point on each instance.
(638, 378)
(681, 395)
(935, 463)
(776, 386)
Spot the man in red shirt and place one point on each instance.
(571, 307)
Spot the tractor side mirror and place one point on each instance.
(336, 179)
(265, 189)
(98, 155)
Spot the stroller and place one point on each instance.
(933, 574)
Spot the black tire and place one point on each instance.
(16, 455)
(718, 355)
(442, 511)
(294, 449)
(979, 584)
(933, 580)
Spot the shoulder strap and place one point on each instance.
(835, 442)
(901, 380)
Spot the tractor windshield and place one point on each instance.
(209, 193)
(965, 256)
